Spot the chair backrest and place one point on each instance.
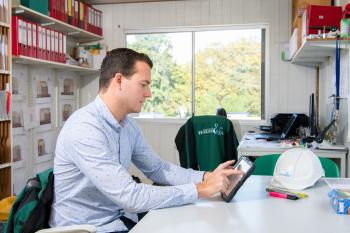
(330, 167)
(204, 142)
(31, 210)
(265, 166)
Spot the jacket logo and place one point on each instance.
(218, 130)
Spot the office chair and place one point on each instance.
(221, 112)
(204, 142)
(330, 168)
(265, 166)
(31, 209)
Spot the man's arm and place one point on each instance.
(92, 155)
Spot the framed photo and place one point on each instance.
(45, 116)
(43, 87)
(30, 118)
(65, 110)
(19, 82)
(19, 150)
(17, 118)
(44, 145)
(67, 85)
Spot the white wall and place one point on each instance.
(288, 86)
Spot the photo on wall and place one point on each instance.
(67, 85)
(17, 118)
(43, 87)
(19, 82)
(45, 117)
(19, 150)
(44, 143)
(66, 109)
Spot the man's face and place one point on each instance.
(136, 88)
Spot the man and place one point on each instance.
(97, 144)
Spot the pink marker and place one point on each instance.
(283, 195)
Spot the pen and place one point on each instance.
(279, 190)
(283, 195)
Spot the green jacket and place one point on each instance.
(204, 142)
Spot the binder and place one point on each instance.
(65, 9)
(29, 39)
(81, 14)
(43, 39)
(34, 41)
(48, 44)
(57, 57)
(76, 13)
(53, 13)
(99, 23)
(70, 7)
(15, 36)
(59, 47)
(64, 48)
(24, 38)
(85, 17)
(39, 42)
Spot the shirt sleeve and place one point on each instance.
(158, 170)
(95, 160)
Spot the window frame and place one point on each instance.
(193, 30)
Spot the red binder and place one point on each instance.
(34, 40)
(64, 48)
(53, 8)
(15, 36)
(24, 38)
(76, 13)
(48, 44)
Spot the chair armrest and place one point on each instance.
(70, 229)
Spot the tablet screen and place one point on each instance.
(234, 179)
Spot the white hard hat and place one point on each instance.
(297, 169)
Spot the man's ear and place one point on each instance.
(118, 80)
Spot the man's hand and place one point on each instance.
(217, 181)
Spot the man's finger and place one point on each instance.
(226, 164)
(229, 172)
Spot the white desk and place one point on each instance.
(249, 146)
(251, 211)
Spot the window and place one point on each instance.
(197, 70)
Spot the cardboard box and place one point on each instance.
(299, 5)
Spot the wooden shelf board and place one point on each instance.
(4, 72)
(78, 34)
(5, 165)
(54, 65)
(5, 25)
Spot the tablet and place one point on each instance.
(236, 181)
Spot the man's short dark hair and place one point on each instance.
(121, 60)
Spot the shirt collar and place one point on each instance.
(107, 115)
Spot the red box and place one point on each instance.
(322, 17)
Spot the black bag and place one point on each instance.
(31, 210)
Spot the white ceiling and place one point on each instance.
(96, 2)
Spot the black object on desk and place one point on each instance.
(283, 135)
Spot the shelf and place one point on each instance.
(5, 25)
(78, 34)
(4, 119)
(54, 65)
(4, 72)
(5, 165)
(314, 52)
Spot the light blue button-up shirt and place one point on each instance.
(92, 184)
